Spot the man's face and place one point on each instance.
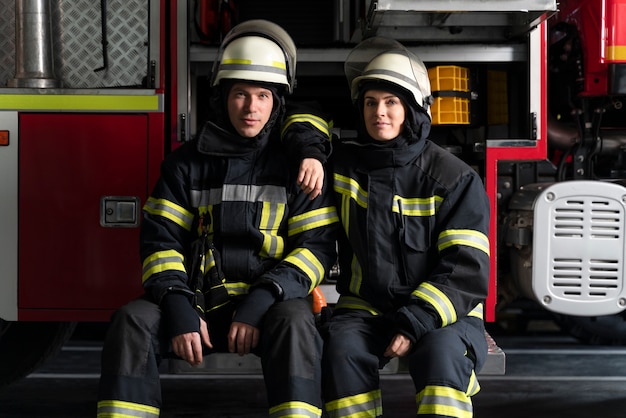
(249, 108)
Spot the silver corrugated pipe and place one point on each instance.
(34, 63)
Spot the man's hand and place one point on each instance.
(398, 347)
(242, 338)
(189, 346)
(311, 177)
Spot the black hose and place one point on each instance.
(105, 42)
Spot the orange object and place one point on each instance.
(4, 138)
(319, 300)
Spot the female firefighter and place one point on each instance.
(414, 260)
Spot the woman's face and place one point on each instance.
(383, 113)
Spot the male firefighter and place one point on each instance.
(414, 259)
(227, 213)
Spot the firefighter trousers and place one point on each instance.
(443, 365)
(290, 349)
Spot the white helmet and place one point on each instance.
(257, 50)
(387, 60)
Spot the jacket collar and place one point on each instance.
(372, 156)
(216, 141)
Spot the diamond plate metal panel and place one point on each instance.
(7, 41)
(77, 42)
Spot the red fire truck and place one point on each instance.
(93, 95)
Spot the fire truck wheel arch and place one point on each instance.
(26, 345)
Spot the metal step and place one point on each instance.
(228, 363)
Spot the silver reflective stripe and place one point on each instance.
(250, 193)
(352, 302)
(169, 210)
(252, 67)
(202, 198)
(347, 186)
(356, 279)
(393, 74)
(427, 206)
(477, 312)
(443, 401)
(238, 193)
(295, 409)
(236, 288)
(467, 237)
(111, 408)
(364, 405)
(473, 387)
(306, 261)
(312, 219)
(162, 261)
(269, 224)
(319, 123)
(438, 300)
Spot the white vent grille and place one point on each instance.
(578, 248)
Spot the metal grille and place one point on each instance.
(582, 259)
(594, 223)
(77, 42)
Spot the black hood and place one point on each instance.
(218, 108)
(417, 123)
(219, 137)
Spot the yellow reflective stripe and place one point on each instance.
(197, 306)
(312, 219)
(236, 288)
(169, 210)
(295, 409)
(119, 409)
(443, 401)
(352, 302)
(477, 312)
(356, 276)
(438, 300)
(306, 261)
(350, 187)
(467, 237)
(345, 213)
(473, 387)
(243, 61)
(237, 62)
(416, 206)
(208, 263)
(81, 102)
(364, 405)
(319, 123)
(162, 261)
(273, 245)
(216, 306)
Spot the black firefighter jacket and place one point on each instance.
(267, 232)
(417, 219)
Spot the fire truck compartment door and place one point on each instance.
(67, 163)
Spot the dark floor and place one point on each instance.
(548, 374)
